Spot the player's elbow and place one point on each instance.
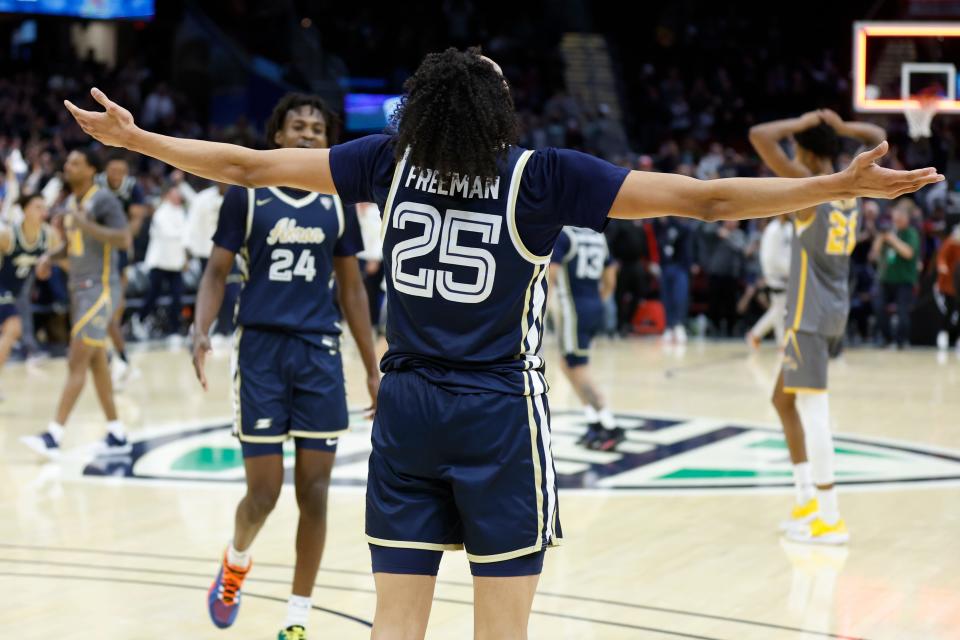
(713, 209)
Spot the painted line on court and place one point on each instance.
(150, 583)
(670, 372)
(617, 603)
(468, 603)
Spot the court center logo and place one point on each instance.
(659, 454)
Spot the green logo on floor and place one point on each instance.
(659, 454)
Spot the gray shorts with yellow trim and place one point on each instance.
(91, 309)
(287, 386)
(805, 359)
(452, 471)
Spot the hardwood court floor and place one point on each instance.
(674, 536)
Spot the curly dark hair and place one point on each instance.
(457, 115)
(821, 140)
(294, 101)
(91, 156)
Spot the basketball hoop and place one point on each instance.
(920, 114)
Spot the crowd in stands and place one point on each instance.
(675, 275)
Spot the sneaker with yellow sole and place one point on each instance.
(293, 632)
(819, 532)
(801, 515)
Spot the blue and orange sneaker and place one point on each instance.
(223, 599)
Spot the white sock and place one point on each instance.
(55, 429)
(236, 558)
(814, 410)
(803, 482)
(298, 610)
(606, 418)
(829, 510)
(590, 414)
(115, 427)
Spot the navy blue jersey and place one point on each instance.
(18, 263)
(583, 255)
(467, 258)
(287, 240)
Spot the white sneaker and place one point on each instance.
(139, 329)
(680, 334)
(43, 445)
(943, 341)
(668, 336)
(119, 372)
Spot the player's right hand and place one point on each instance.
(865, 178)
(201, 347)
(113, 127)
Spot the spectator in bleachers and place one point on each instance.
(720, 249)
(948, 286)
(634, 247)
(775, 264)
(675, 245)
(897, 254)
(863, 273)
(166, 259)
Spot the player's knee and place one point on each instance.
(261, 501)
(13, 328)
(783, 401)
(312, 499)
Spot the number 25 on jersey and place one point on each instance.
(425, 281)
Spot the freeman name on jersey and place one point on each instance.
(286, 231)
(430, 181)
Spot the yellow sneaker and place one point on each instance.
(294, 632)
(819, 532)
(801, 515)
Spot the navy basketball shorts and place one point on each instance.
(579, 323)
(805, 360)
(454, 471)
(287, 387)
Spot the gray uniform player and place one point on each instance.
(94, 277)
(818, 293)
(818, 303)
(95, 227)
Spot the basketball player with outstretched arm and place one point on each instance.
(461, 440)
(818, 300)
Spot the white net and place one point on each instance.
(919, 118)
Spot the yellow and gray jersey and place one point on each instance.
(91, 261)
(819, 292)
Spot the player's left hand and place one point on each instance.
(865, 178)
(43, 268)
(113, 127)
(373, 387)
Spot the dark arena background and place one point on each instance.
(667, 442)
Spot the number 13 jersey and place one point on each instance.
(287, 240)
(467, 258)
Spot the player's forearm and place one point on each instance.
(869, 134)
(356, 310)
(119, 238)
(904, 250)
(218, 161)
(744, 198)
(776, 130)
(209, 299)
